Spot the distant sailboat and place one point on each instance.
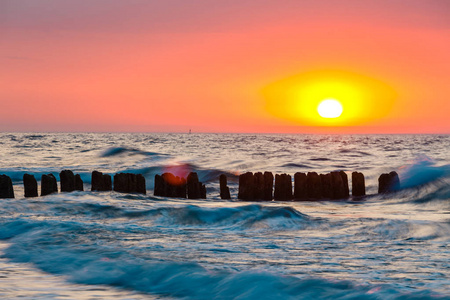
(190, 131)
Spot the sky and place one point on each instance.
(224, 66)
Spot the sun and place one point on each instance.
(330, 109)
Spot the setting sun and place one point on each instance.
(329, 98)
(330, 109)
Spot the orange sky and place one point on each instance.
(174, 65)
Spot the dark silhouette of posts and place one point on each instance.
(159, 186)
(327, 186)
(224, 189)
(256, 186)
(246, 186)
(174, 186)
(345, 182)
(358, 184)
(337, 185)
(313, 185)
(6, 187)
(101, 182)
(258, 191)
(48, 184)
(202, 191)
(78, 183)
(169, 185)
(30, 185)
(141, 188)
(268, 186)
(300, 192)
(283, 187)
(129, 183)
(388, 182)
(67, 180)
(195, 189)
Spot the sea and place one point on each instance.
(109, 245)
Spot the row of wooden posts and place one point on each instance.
(257, 186)
(309, 186)
(123, 182)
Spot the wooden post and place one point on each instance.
(48, 184)
(30, 185)
(246, 186)
(327, 190)
(193, 186)
(388, 182)
(224, 189)
(337, 185)
(67, 181)
(358, 184)
(300, 192)
(101, 182)
(283, 187)
(268, 186)
(78, 183)
(313, 185)
(345, 182)
(159, 186)
(258, 193)
(6, 187)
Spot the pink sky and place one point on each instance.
(201, 65)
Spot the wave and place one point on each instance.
(401, 230)
(58, 247)
(254, 216)
(115, 151)
(355, 153)
(293, 165)
(421, 172)
(241, 218)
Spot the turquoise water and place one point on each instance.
(102, 245)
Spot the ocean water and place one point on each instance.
(104, 245)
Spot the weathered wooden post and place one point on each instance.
(121, 183)
(337, 185)
(358, 184)
(159, 186)
(345, 182)
(246, 186)
(49, 184)
(313, 185)
(268, 186)
(202, 191)
(129, 183)
(78, 183)
(300, 192)
(180, 189)
(6, 187)
(258, 192)
(327, 188)
(169, 188)
(30, 185)
(388, 182)
(101, 182)
(283, 187)
(224, 189)
(140, 185)
(67, 181)
(172, 186)
(194, 187)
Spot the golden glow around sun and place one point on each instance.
(309, 99)
(330, 108)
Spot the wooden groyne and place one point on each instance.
(252, 186)
(169, 185)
